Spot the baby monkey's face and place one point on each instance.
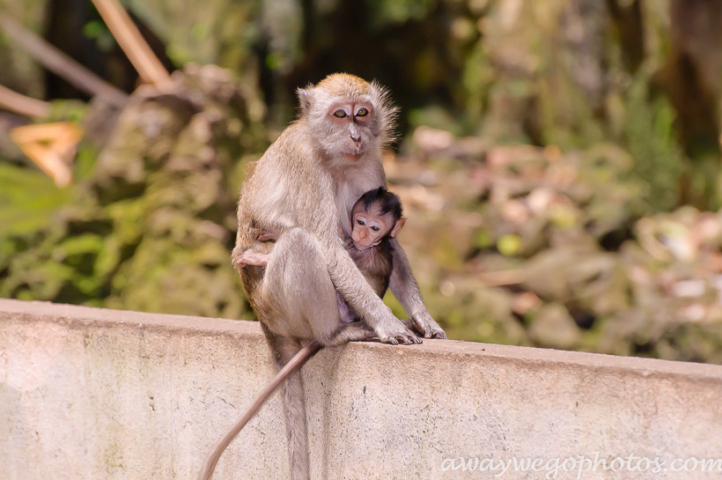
(370, 227)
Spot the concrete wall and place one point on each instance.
(95, 394)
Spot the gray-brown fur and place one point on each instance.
(376, 218)
(304, 185)
(375, 265)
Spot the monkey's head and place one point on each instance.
(376, 215)
(348, 115)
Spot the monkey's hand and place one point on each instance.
(394, 332)
(427, 326)
(250, 257)
(267, 234)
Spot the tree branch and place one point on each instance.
(61, 64)
(150, 69)
(22, 105)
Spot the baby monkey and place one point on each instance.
(376, 216)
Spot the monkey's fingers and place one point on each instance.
(440, 335)
(409, 339)
(396, 336)
(435, 333)
(428, 327)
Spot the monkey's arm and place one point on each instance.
(405, 288)
(354, 288)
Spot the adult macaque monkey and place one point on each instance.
(307, 181)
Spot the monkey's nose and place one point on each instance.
(355, 137)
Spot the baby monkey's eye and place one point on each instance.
(362, 112)
(339, 114)
(360, 222)
(375, 229)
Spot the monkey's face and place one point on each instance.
(352, 128)
(348, 116)
(370, 227)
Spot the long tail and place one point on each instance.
(292, 366)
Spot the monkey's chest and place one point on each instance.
(348, 192)
(375, 265)
(379, 283)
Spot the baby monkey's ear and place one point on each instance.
(399, 225)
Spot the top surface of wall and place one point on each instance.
(91, 393)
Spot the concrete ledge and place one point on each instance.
(96, 394)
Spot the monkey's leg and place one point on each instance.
(297, 285)
(301, 301)
(345, 311)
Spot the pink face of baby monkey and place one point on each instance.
(370, 226)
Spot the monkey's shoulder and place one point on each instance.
(294, 160)
(289, 187)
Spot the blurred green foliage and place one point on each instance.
(651, 137)
(28, 200)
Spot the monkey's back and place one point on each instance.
(287, 189)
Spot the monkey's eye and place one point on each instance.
(360, 222)
(362, 112)
(375, 229)
(339, 113)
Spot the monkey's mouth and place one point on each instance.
(354, 151)
(361, 246)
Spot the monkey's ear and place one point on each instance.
(399, 225)
(305, 97)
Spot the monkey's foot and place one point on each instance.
(252, 258)
(427, 326)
